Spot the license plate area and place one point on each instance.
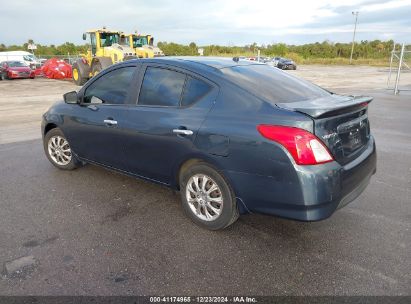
(353, 134)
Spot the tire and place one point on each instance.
(226, 212)
(66, 160)
(96, 68)
(78, 78)
(2, 77)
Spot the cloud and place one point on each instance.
(235, 22)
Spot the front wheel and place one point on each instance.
(78, 78)
(58, 150)
(207, 197)
(96, 68)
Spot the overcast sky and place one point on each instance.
(224, 22)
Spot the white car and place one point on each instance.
(26, 57)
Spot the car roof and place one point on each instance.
(211, 62)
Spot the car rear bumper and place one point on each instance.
(315, 192)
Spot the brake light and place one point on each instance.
(305, 147)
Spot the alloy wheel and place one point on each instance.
(59, 150)
(204, 197)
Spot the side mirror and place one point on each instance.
(84, 36)
(71, 97)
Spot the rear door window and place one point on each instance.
(164, 87)
(161, 87)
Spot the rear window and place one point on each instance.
(273, 85)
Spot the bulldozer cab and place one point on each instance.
(139, 41)
(99, 39)
(104, 49)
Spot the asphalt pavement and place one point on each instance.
(95, 232)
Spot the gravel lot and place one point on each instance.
(95, 232)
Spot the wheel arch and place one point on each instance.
(49, 126)
(105, 62)
(184, 164)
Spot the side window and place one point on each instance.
(195, 90)
(161, 87)
(112, 88)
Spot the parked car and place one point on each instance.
(222, 134)
(2, 72)
(28, 58)
(276, 60)
(17, 69)
(286, 64)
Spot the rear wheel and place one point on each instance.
(207, 198)
(78, 78)
(58, 150)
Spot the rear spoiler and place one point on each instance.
(327, 106)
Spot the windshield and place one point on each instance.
(29, 58)
(140, 41)
(15, 64)
(272, 84)
(108, 39)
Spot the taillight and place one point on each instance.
(305, 147)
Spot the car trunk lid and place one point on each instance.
(341, 122)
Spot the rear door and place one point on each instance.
(172, 104)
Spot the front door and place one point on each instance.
(97, 130)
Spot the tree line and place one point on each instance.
(375, 49)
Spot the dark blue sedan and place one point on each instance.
(232, 136)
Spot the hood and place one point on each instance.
(123, 48)
(156, 50)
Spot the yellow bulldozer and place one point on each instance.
(105, 49)
(142, 44)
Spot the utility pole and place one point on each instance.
(353, 37)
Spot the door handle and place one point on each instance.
(110, 122)
(182, 132)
